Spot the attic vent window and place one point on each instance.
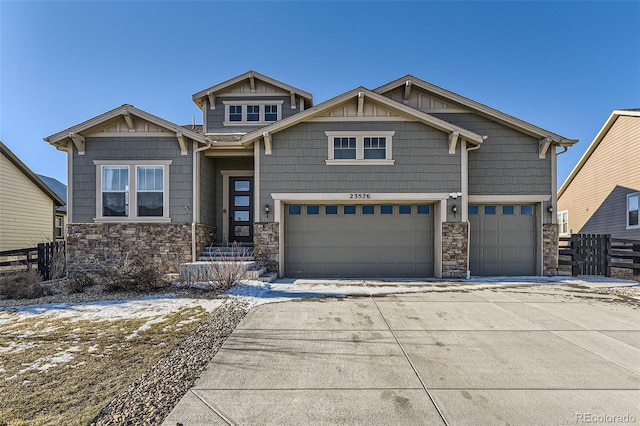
(252, 112)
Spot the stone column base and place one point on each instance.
(266, 244)
(455, 247)
(550, 243)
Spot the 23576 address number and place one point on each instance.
(359, 196)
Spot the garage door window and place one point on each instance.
(294, 209)
(386, 209)
(473, 209)
(526, 210)
(330, 209)
(313, 209)
(404, 209)
(489, 209)
(368, 209)
(508, 210)
(349, 210)
(423, 209)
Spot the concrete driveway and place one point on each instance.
(522, 355)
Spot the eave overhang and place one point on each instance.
(251, 76)
(76, 134)
(409, 81)
(360, 95)
(594, 144)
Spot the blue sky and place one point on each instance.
(563, 66)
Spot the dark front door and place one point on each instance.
(241, 209)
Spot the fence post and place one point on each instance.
(636, 260)
(607, 255)
(41, 261)
(575, 268)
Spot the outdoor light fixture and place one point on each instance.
(267, 209)
(454, 209)
(550, 209)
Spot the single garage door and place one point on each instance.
(358, 241)
(503, 240)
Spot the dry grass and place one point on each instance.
(97, 362)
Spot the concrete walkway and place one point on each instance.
(518, 355)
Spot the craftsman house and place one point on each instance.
(602, 193)
(407, 180)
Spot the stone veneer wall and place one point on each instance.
(266, 244)
(550, 249)
(455, 246)
(92, 247)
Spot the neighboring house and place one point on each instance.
(27, 205)
(602, 193)
(408, 180)
(61, 211)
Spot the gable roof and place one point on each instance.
(58, 187)
(61, 139)
(418, 115)
(29, 174)
(634, 112)
(479, 108)
(197, 97)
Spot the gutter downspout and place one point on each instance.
(196, 203)
(473, 148)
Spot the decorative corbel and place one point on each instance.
(182, 142)
(78, 141)
(543, 146)
(212, 100)
(252, 83)
(267, 143)
(360, 104)
(453, 141)
(129, 120)
(293, 100)
(407, 90)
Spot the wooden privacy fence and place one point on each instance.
(596, 254)
(44, 256)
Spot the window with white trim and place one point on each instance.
(633, 204)
(563, 222)
(252, 112)
(58, 227)
(348, 148)
(132, 191)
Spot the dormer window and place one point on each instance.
(253, 112)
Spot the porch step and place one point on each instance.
(206, 270)
(227, 253)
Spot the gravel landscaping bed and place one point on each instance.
(151, 397)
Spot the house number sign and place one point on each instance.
(359, 196)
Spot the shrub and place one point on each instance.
(79, 283)
(229, 270)
(24, 284)
(139, 274)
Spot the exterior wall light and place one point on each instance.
(267, 209)
(454, 209)
(550, 209)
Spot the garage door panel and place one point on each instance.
(503, 243)
(359, 245)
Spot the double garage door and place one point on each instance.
(503, 240)
(359, 241)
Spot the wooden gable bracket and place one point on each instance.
(453, 141)
(129, 120)
(267, 143)
(293, 100)
(407, 90)
(78, 141)
(360, 104)
(252, 83)
(212, 100)
(543, 146)
(183, 143)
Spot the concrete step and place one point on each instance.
(206, 271)
(268, 277)
(224, 258)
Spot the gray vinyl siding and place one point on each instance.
(611, 216)
(208, 176)
(241, 163)
(507, 163)
(132, 149)
(215, 117)
(297, 163)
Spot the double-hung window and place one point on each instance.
(633, 204)
(132, 190)
(563, 223)
(359, 147)
(252, 112)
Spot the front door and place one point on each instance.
(241, 209)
